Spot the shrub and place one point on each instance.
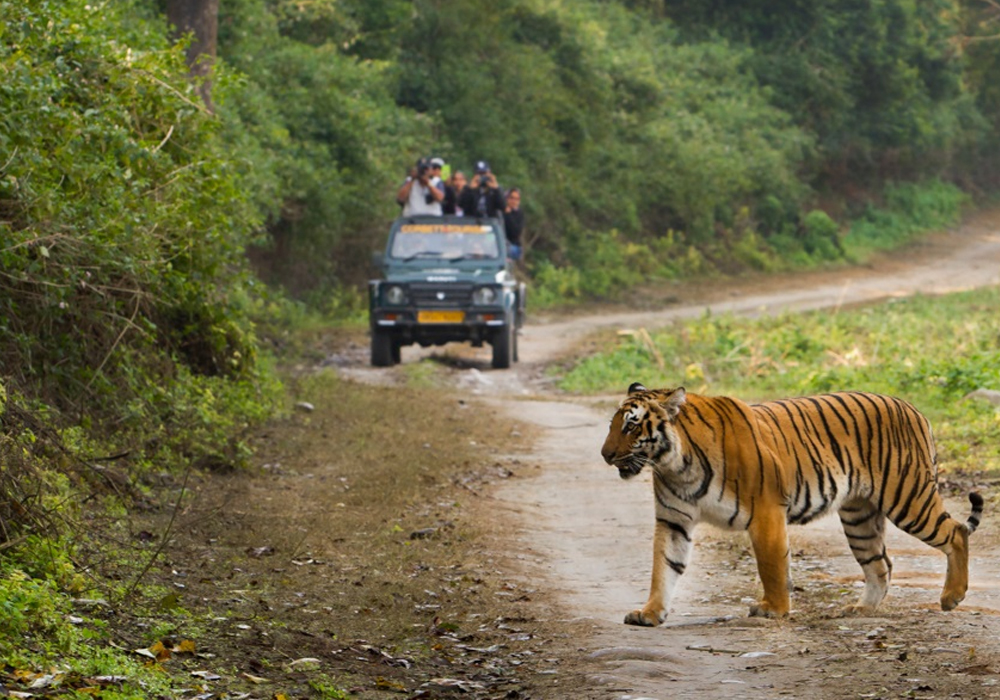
(33, 617)
(125, 220)
(910, 209)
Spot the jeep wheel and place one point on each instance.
(382, 349)
(504, 346)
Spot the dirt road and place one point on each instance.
(587, 535)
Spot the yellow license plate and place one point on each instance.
(440, 316)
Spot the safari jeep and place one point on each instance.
(446, 279)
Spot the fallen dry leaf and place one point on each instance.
(160, 652)
(384, 684)
(206, 675)
(44, 681)
(303, 661)
(450, 683)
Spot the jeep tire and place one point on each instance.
(384, 350)
(504, 346)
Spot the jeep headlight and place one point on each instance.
(485, 296)
(395, 295)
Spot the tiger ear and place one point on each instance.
(635, 388)
(673, 403)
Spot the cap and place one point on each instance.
(482, 167)
(437, 162)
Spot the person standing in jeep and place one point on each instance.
(482, 197)
(422, 193)
(513, 223)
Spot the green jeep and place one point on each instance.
(447, 278)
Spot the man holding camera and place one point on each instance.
(423, 192)
(482, 196)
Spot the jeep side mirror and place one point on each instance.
(378, 258)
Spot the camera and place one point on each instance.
(423, 165)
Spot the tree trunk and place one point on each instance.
(201, 19)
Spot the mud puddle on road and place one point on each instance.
(590, 536)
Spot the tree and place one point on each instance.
(200, 19)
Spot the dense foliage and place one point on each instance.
(702, 134)
(124, 221)
(878, 82)
(321, 137)
(126, 344)
(124, 291)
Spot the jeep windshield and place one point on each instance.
(445, 241)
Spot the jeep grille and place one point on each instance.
(441, 295)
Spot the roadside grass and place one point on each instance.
(931, 351)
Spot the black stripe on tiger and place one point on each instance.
(677, 566)
(675, 527)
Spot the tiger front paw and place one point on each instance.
(765, 609)
(950, 601)
(645, 618)
(858, 610)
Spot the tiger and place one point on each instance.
(760, 467)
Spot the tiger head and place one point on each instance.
(642, 430)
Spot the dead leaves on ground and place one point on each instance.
(58, 680)
(490, 668)
(53, 681)
(161, 652)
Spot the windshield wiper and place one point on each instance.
(422, 254)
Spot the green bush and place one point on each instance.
(325, 143)
(909, 209)
(606, 265)
(32, 615)
(125, 220)
(554, 285)
(877, 84)
(40, 637)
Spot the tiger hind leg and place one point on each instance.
(938, 529)
(864, 525)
